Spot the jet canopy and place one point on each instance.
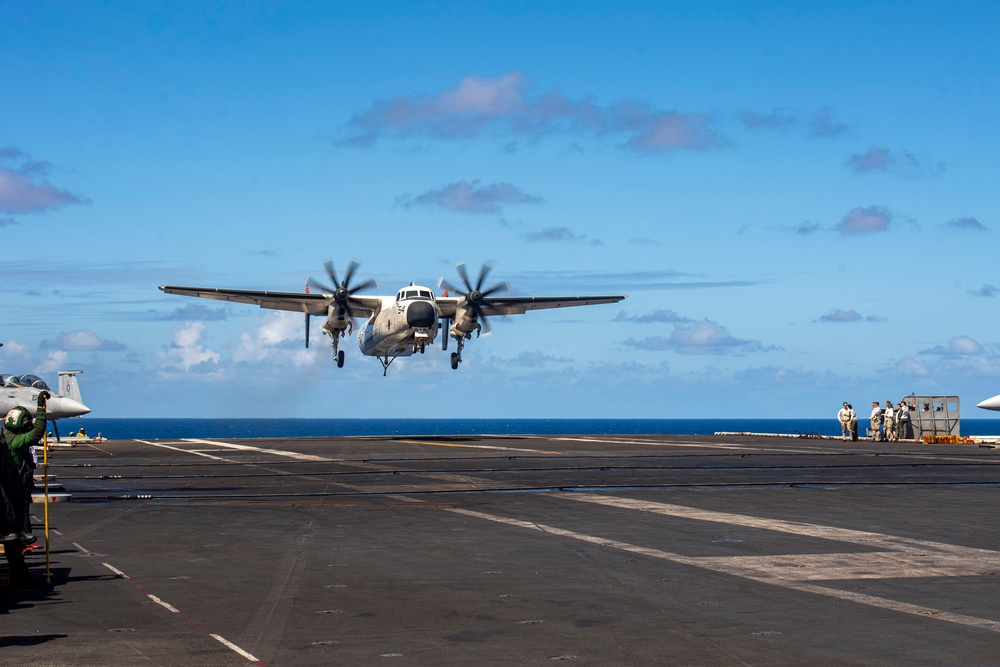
(27, 381)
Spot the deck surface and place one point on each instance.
(519, 550)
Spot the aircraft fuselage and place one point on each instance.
(22, 391)
(402, 326)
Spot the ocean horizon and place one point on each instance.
(176, 428)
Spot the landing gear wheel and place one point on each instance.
(454, 361)
(340, 358)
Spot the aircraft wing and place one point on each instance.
(300, 302)
(518, 305)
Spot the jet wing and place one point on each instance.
(518, 305)
(300, 302)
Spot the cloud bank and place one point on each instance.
(511, 106)
(25, 189)
(470, 197)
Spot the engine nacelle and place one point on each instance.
(336, 319)
(466, 322)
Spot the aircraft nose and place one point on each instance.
(420, 314)
(60, 407)
(990, 403)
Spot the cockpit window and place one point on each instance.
(32, 381)
(414, 294)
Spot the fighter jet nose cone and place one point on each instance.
(990, 403)
(60, 407)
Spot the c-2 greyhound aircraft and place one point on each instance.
(399, 325)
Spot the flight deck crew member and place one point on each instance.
(852, 422)
(903, 421)
(889, 420)
(17, 465)
(876, 422)
(844, 417)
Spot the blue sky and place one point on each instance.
(799, 200)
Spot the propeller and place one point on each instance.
(342, 292)
(475, 296)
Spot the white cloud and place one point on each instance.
(55, 361)
(278, 330)
(967, 223)
(186, 352)
(839, 316)
(777, 119)
(699, 338)
(958, 346)
(873, 159)
(83, 341)
(824, 125)
(509, 106)
(19, 359)
(865, 220)
(471, 197)
(559, 235)
(20, 194)
(986, 290)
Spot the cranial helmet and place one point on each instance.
(17, 420)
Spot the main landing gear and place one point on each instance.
(338, 354)
(456, 357)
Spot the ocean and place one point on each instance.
(170, 429)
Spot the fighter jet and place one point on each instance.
(990, 403)
(22, 390)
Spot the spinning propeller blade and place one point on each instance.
(475, 295)
(341, 292)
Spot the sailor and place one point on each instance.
(844, 417)
(852, 422)
(889, 420)
(17, 464)
(876, 422)
(902, 421)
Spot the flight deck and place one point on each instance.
(515, 550)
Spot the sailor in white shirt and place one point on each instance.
(889, 421)
(876, 421)
(844, 417)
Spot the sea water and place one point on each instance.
(169, 429)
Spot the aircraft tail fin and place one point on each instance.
(68, 385)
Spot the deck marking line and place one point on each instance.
(187, 619)
(228, 644)
(262, 450)
(115, 570)
(859, 537)
(497, 447)
(165, 605)
(703, 445)
(713, 564)
(187, 451)
(653, 443)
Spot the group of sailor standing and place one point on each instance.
(887, 424)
